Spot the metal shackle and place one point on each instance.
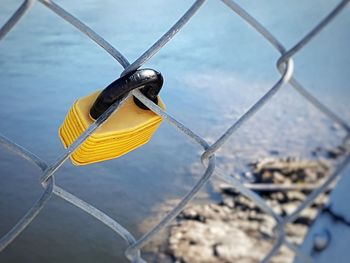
(150, 80)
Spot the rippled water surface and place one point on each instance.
(214, 70)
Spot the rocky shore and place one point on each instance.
(235, 229)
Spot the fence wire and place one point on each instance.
(285, 66)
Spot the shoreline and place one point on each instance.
(234, 229)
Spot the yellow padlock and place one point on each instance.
(130, 127)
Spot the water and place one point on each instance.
(214, 70)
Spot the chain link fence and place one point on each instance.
(285, 66)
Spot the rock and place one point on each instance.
(215, 241)
(228, 190)
(295, 196)
(236, 230)
(336, 152)
(279, 196)
(289, 207)
(266, 230)
(320, 201)
(277, 209)
(278, 177)
(296, 232)
(243, 203)
(307, 216)
(289, 169)
(228, 202)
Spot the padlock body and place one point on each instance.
(127, 129)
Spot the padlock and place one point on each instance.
(130, 127)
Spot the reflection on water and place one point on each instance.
(214, 70)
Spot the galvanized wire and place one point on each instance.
(284, 64)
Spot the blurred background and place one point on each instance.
(214, 70)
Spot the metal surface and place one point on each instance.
(284, 65)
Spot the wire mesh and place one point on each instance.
(286, 68)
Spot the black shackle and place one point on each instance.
(151, 80)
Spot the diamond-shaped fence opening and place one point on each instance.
(285, 66)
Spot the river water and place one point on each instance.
(214, 70)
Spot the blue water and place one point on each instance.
(214, 70)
